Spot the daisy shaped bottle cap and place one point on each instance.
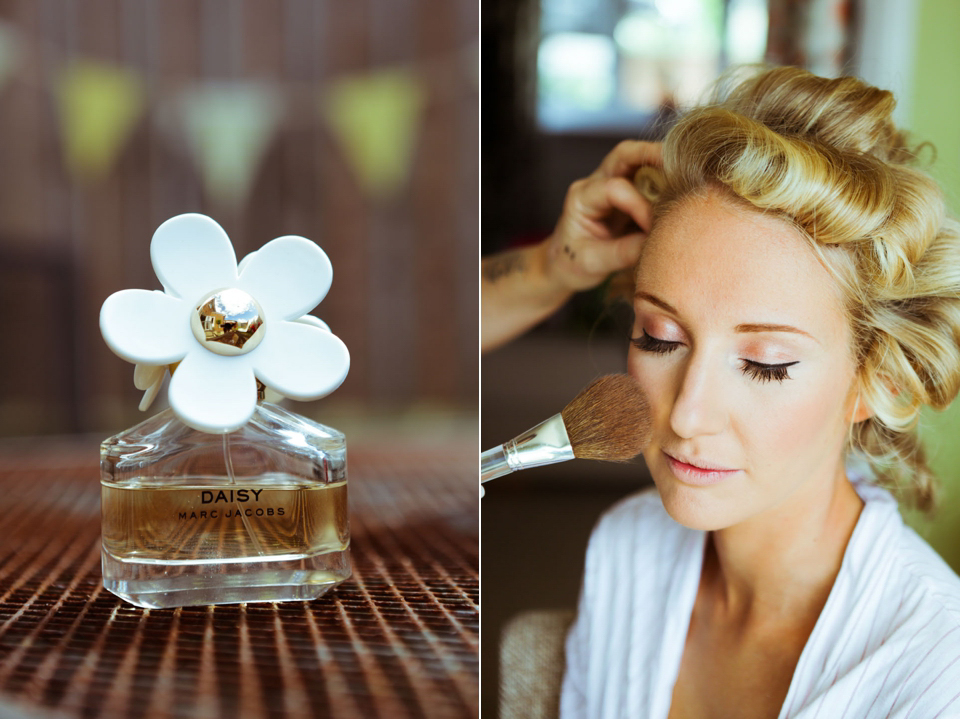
(226, 327)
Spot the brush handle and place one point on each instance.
(493, 464)
(547, 443)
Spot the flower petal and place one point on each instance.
(315, 321)
(192, 256)
(301, 361)
(288, 276)
(213, 393)
(146, 327)
(271, 395)
(151, 393)
(244, 262)
(146, 375)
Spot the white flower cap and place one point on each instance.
(226, 327)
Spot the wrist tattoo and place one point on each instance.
(499, 266)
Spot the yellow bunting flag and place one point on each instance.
(9, 52)
(229, 126)
(375, 117)
(99, 107)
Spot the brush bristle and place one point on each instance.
(609, 420)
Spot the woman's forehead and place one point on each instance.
(709, 254)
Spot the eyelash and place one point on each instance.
(755, 370)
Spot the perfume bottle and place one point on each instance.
(225, 497)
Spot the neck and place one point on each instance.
(782, 564)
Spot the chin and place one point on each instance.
(696, 507)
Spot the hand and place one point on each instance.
(602, 228)
(604, 221)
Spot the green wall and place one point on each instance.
(935, 116)
(935, 105)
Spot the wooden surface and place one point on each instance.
(399, 639)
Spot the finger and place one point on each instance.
(599, 197)
(625, 197)
(628, 156)
(614, 255)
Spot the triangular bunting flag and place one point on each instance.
(375, 117)
(229, 127)
(99, 107)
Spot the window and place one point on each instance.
(616, 64)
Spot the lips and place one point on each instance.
(697, 471)
(699, 463)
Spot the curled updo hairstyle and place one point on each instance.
(824, 155)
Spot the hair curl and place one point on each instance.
(825, 155)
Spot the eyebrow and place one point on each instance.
(746, 327)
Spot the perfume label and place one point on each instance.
(208, 496)
(232, 498)
(227, 514)
(185, 523)
(230, 501)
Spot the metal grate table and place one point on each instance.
(399, 639)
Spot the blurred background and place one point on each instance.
(354, 124)
(563, 82)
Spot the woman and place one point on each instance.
(797, 302)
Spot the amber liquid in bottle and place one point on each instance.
(184, 524)
(191, 518)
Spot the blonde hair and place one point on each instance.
(824, 155)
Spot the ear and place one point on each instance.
(859, 411)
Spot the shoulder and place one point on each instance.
(887, 553)
(895, 650)
(637, 541)
(640, 579)
(912, 655)
(919, 592)
(921, 568)
(925, 625)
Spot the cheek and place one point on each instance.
(654, 374)
(771, 422)
(802, 425)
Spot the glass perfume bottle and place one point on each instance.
(225, 497)
(259, 514)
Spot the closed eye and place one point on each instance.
(766, 372)
(755, 370)
(647, 343)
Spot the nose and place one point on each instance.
(698, 406)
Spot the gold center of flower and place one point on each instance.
(228, 322)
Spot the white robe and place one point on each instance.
(887, 643)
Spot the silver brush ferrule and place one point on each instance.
(547, 443)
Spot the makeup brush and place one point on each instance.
(608, 420)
